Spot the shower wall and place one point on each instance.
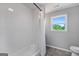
(19, 32)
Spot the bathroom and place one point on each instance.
(25, 29)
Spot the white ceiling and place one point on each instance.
(51, 7)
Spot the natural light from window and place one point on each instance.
(59, 23)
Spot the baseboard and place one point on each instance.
(58, 48)
(37, 53)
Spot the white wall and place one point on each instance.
(17, 35)
(64, 39)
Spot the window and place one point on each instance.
(59, 23)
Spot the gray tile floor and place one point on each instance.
(56, 52)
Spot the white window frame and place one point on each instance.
(64, 23)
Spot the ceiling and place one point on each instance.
(51, 7)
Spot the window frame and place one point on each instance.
(65, 15)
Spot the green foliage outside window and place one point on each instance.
(58, 27)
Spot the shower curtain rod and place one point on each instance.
(37, 6)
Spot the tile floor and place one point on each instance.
(56, 52)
